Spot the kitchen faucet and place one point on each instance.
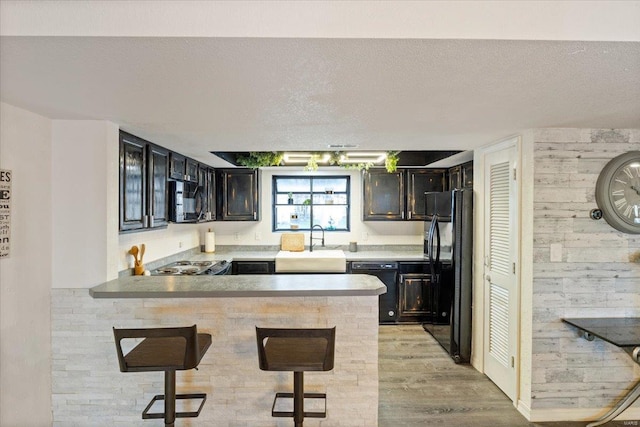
(311, 237)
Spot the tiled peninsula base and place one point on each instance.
(89, 389)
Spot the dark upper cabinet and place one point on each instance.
(133, 170)
(207, 184)
(202, 175)
(191, 170)
(157, 191)
(238, 194)
(182, 168)
(419, 181)
(143, 184)
(383, 195)
(455, 178)
(467, 175)
(210, 191)
(177, 166)
(398, 195)
(461, 176)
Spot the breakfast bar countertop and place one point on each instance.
(205, 286)
(387, 254)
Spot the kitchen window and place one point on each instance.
(300, 202)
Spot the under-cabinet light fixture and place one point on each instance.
(363, 157)
(303, 158)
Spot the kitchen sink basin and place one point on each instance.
(318, 261)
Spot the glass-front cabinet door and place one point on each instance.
(157, 195)
(133, 168)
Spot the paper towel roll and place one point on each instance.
(209, 241)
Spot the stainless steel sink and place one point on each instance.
(318, 261)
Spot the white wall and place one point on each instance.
(26, 276)
(85, 210)
(527, 185)
(365, 233)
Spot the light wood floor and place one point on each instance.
(421, 386)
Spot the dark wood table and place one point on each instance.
(623, 332)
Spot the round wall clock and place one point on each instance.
(618, 192)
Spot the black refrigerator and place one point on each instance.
(448, 247)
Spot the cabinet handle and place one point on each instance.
(402, 215)
(145, 221)
(151, 221)
(409, 215)
(255, 216)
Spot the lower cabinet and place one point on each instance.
(421, 299)
(415, 293)
(253, 267)
(415, 297)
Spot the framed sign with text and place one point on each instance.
(5, 213)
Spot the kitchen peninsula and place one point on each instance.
(90, 390)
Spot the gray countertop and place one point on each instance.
(279, 285)
(282, 285)
(270, 255)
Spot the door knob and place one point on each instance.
(488, 278)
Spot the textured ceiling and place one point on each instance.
(197, 95)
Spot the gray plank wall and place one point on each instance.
(581, 269)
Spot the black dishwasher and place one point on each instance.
(387, 272)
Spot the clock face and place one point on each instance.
(618, 192)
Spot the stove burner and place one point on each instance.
(184, 267)
(201, 263)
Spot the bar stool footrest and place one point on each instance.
(191, 414)
(322, 414)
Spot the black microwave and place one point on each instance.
(185, 201)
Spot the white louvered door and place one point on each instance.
(500, 237)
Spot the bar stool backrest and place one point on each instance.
(188, 333)
(297, 337)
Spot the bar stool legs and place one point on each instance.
(169, 415)
(170, 398)
(297, 351)
(298, 398)
(168, 350)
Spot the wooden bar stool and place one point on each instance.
(296, 350)
(168, 350)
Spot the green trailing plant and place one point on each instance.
(312, 164)
(356, 166)
(260, 159)
(334, 158)
(391, 162)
